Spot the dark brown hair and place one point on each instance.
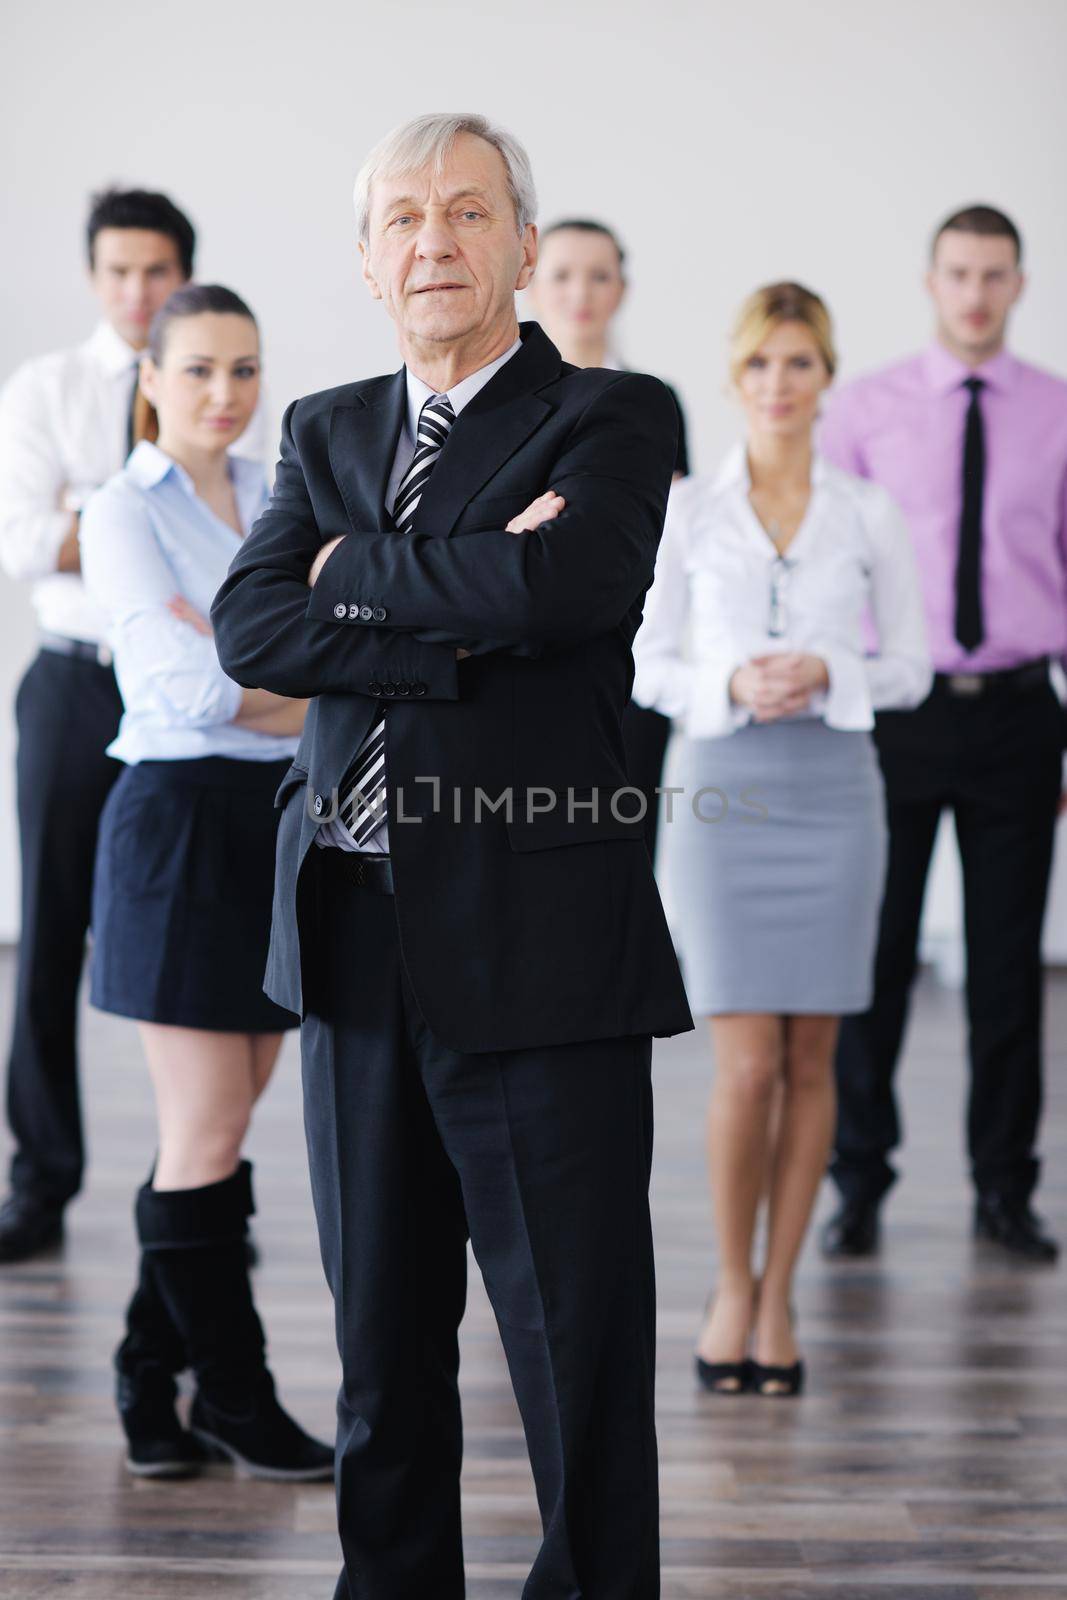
(192, 300)
(986, 220)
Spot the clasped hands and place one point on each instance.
(778, 685)
(545, 508)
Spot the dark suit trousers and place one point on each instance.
(67, 711)
(542, 1158)
(995, 762)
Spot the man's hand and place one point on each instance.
(321, 559)
(544, 509)
(779, 685)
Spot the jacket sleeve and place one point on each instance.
(266, 638)
(567, 581)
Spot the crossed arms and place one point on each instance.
(564, 581)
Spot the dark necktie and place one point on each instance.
(970, 628)
(131, 410)
(363, 805)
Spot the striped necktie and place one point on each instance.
(363, 806)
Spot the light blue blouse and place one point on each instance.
(145, 537)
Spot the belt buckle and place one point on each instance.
(965, 683)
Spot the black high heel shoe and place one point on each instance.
(790, 1380)
(724, 1377)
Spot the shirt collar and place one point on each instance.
(149, 466)
(945, 372)
(459, 396)
(110, 351)
(734, 471)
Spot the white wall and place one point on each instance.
(728, 143)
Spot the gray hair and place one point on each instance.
(429, 140)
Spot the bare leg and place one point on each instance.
(748, 1068)
(204, 1089)
(805, 1133)
(265, 1048)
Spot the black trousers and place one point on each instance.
(645, 734)
(541, 1158)
(67, 712)
(995, 762)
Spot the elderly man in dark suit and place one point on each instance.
(465, 914)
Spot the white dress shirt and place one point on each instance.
(720, 580)
(145, 537)
(63, 422)
(334, 832)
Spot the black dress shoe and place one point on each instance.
(1011, 1223)
(852, 1231)
(262, 1442)
(28, 1227)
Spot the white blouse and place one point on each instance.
(720, 581)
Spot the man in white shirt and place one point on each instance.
(66, 427)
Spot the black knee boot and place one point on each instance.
(145, 1363)
(196, 1239)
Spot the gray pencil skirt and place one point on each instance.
(775, 862)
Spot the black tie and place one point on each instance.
(364, 800)
(131, 411)
(970, 630)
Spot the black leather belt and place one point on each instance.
(371, 872)
(80, 649)
(971, 685)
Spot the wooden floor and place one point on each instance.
(928, 1461)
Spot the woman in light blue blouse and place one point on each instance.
(182, 893)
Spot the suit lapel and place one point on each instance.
(479, 444)
(363, 441)
(489, 430)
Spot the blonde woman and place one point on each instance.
(776, 850)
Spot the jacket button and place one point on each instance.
(379, 613)
(319, 805)
(340, 611)
(418, 688)
(388, 688)
(365, 613)
(353, 612)
(403, 688)
(374, 686)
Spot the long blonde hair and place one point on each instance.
(766, 309)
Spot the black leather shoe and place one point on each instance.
(1014, 1225)
(262, 1442)
(28, 1227)
(852, 1231)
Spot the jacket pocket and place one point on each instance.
(549, 819)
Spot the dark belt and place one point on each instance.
(371, 872)
(80, 649)
(971, 685)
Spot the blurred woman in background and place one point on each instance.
(182, 893)
(776, 853)
(576, 292)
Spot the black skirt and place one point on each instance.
(182, 895)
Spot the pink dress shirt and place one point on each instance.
(903, 427)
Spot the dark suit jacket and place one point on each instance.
(532, 931)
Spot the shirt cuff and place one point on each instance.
(846, 704)
(712, 713)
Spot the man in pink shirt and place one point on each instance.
(972, 443)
